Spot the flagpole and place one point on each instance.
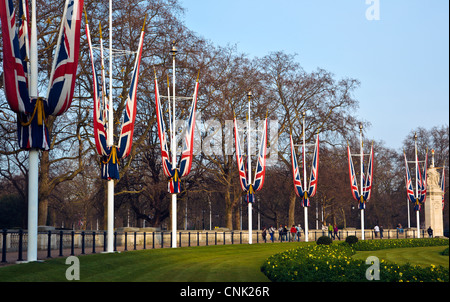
(305, 208)
(174, 150)
(110, 142)
(249, 162)
(417, 185)
(362, 172)
(33, 172)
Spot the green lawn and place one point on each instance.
(228, 263)
(422, 256)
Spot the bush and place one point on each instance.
(445, 252)
(324, 240)
(351, 239)
(334, 263)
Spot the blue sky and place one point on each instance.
(401, 60)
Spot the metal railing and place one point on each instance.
(59, 243)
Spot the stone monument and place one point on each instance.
(433, 202)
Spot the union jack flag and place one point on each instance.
(368, 177)
(129, 115)
(32, 131)
(311, 190)
(188, 143)
(353, 182)
(409, 187)
(295, 172)
(112, 154)
(240, 159)
(258, 182)
(62, 80)
(170, 170)
(261, 165)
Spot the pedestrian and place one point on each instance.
(376, 229)
(330, 231)
(293, 233)
(280, 233)
(335, 229)
(264, 234)
(285, 231)
(381, 232)
(430, 232)
(271, 232)
(299, 232)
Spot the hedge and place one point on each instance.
(333, 263)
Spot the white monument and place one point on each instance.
(433, 202)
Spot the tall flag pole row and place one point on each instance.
(305, 192)
(20, 65)
(419, 196)
(246, 178)
(104, 116)
(170, 168)
(366, 179)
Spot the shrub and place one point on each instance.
(324, 240)
(351, 239)
(445, 252)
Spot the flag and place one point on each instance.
(129, 115)
(314, 171)
(188, 143)
(64, 71)
(31, 126)
(368, 177)
(295, 172)
(112, 154)
(173, 173)
(352, 174)
(261, 165)
(240, 159)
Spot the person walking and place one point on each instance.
(430, 232)
(293, 233)
(271, 232)
(299, 231)
(335, 229)
(330, 231)
(381, 232)
(264, 234)
(376, 229)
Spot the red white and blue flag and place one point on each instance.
(173, 173)
(188, 142)
(421, 184)
(260, 172)
(310, 191)
(364, 196)
(32, 112)
(112, 154)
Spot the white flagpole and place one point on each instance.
(174, 154)
(305, 208)
(417, 184)
(33, 173)
(362, 172)
(110, 142)
(249, 162)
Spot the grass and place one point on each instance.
(228, 263)
(421, 256)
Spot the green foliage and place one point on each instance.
(334, 263)
(373, 245)
(325, 240)
(445, 252)
(351, 239)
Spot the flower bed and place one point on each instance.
(333, 263)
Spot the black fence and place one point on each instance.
(59, 243)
